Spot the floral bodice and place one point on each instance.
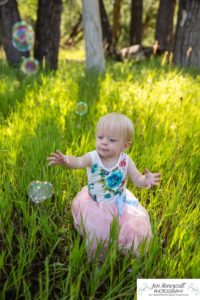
(107, 184)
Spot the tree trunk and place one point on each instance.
(164, 24)
(93, 35)
(136, 22)
(47, 32)
(187, 42)
(75, 30)
(116, 20)
(106, 29)
(9, 15)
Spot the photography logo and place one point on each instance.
(168, 289)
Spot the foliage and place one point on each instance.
(42, 256)
(150, 8)
(27, 9)
(72, 9)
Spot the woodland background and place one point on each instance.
(168, 26)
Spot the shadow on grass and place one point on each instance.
(15, 85)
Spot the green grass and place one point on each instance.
(72, 54)
(42, 256)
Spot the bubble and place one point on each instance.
(22, 36)
(81, 108)
(2, 2)
(39, 191)
(30, 66)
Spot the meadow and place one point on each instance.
(42, 256)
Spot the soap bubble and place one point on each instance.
(22, 36)
(81, 108)
(39, 191)
(30, 66)
(2, 2)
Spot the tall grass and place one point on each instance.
(42, 256)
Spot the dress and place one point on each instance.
(105, 198)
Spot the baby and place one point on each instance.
(106, 196)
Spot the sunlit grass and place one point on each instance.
(42, 256)
(72, 54)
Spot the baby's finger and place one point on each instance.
(52, 156)
(59, 153)
(156, 179)
(148, 186)
(53, 153)
(157, 174)
(49, 158)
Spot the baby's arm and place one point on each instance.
(69, 161)
(146, 180)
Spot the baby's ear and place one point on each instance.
(127, 144)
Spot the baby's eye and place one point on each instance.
(100, 137)
(113, 140)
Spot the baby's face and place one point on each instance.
(109, 144)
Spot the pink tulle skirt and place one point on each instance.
(93, 220)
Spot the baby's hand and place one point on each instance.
(58, 158)
(151, 178)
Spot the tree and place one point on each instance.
(164, 24)
(74, 32)
(93, 35)
(136, 22)
(187, 42)
(106, 29)
(116, 20)
(9, 15)
(109, 47)
(47, 32)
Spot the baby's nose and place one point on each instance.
(104, 141)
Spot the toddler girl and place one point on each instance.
(106, 196)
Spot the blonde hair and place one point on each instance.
(116, 124)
